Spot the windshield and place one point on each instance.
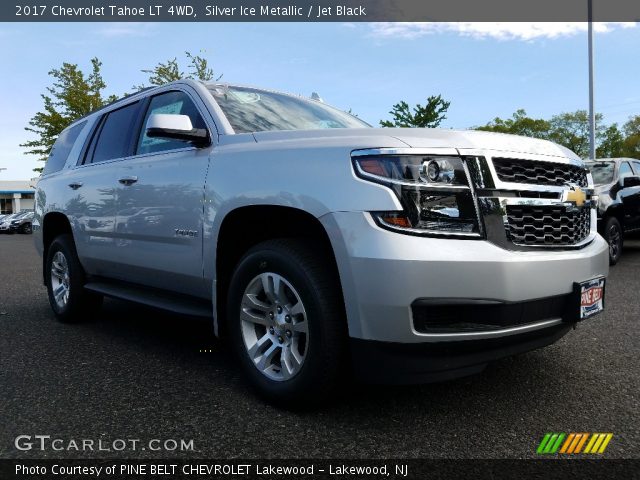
(602, 172)
(253, 110)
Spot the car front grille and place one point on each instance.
(539, 173)
(547, 225)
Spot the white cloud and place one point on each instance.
(498, 30)
(132, 29)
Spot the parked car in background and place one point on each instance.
(5, 222)
(22, 224)
(17, 223)
(617, 184)
(317, 244)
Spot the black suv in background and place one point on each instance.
(617, 184)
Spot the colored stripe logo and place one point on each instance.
(574, 443)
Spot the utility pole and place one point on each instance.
(592, 113)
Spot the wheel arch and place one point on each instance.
(616, 211)
(53, 225)
(245, 227)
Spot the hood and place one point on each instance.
(423, 138)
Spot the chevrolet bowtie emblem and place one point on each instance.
(575, 195)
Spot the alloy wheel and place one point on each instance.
(60, 279)
(274, 326)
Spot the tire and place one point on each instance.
(613, 234)
(26, 228)
(65, 279)
(305, 353)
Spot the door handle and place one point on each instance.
(75, 185)
(128, 180)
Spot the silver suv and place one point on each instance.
(318, 245)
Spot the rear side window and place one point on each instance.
(114, 136)
(625, 170)
(62, 148)
(172, 103)
(636, 167)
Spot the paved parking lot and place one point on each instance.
(134, 372)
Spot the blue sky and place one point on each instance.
(485, 70)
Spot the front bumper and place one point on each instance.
(384, 273)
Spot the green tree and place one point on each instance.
(631, 142)
(611, 143)
(427, 116)
(169, 71)
(72, 95)
(519, 124)
(571, 129)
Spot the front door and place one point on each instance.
(630, 197)
(158, 223)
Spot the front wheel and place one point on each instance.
(26, 228)
(613, 236)
(65, 280)
(287, 322)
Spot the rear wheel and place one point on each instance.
(26, 228)
(65, 279)
(287, 323)
(613, 236)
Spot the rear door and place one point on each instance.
(159, 218)
(91, 206)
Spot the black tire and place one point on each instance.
(613, 234)
(26, 228)
(326, 360)
(81, 304)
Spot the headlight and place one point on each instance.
(434, 192)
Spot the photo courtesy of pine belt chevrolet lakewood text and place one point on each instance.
(321, 248)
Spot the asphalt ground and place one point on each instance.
(132, 372)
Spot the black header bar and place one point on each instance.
(317, 11)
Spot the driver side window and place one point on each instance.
(172, 103)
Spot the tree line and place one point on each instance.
(570, 129)
(75, 94)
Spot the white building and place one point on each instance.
(16, 195)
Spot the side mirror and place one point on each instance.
(628, 182)
(177, 127)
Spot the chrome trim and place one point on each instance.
(539, 202)
(493, 206)
(446, 151)
(445, 337)
(495, 219)
(474, 198)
